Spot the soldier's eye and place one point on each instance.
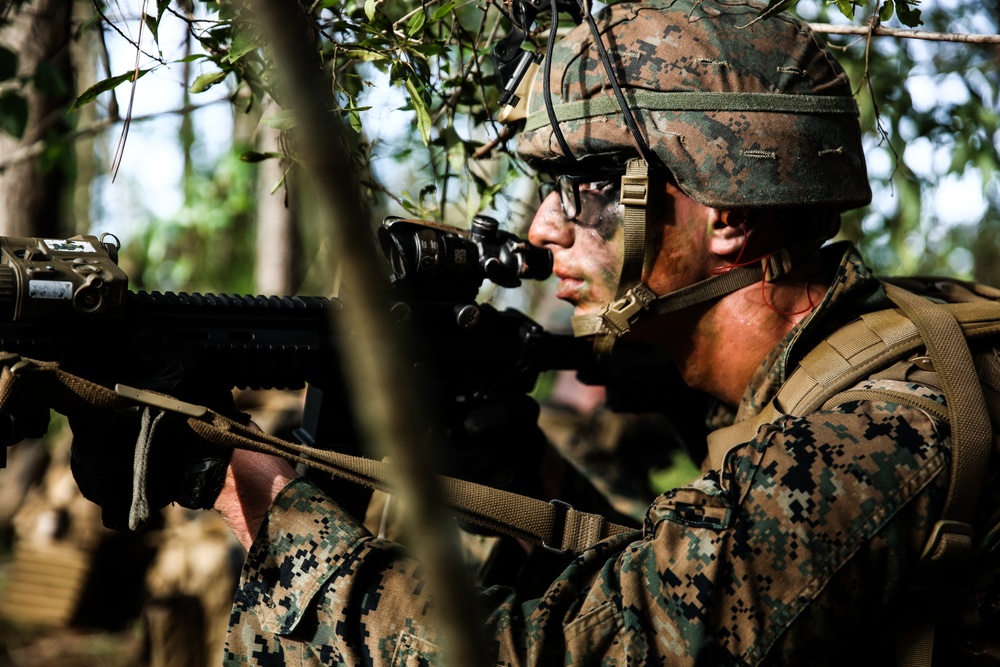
(600, 188)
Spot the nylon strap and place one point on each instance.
(971, 432)
(915, 645)
(633, 197)
(607, 105)
(629, 308)
(873, 342)
(138, 513)
(850, 354)
(554, 525)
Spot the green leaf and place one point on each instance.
(774, 7)
(370, 9)
(283, 120)
(206, 81)
(443, 11)
(355, 120)
(13, 113)
(423, 115)
(8, 64)
(243, 44)
(367, 55)
(91, 93)
(49, 81)
(846, 8)
(427, 49)
(886, 10)
(415, 24)
(908, 13)
(152, 24)
(254, 156)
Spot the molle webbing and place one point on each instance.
(874, 342)
(697, 101)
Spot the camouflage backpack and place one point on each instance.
(942, 335)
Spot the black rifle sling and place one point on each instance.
(554, 525)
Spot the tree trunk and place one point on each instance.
(278, 266)
(32, 197)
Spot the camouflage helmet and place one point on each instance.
(743, 113)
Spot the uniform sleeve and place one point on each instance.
(807, 534)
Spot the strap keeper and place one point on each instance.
(634, 190)
(619, 315)
(168, 403)
(950, 543)
(558, 526)
(19, 367)
(777, 265)
(9, 358)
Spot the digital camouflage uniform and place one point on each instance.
(803, 549)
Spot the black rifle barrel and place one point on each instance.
(188, 339)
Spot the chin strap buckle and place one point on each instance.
(620, 314)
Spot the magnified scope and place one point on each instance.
(430, 254)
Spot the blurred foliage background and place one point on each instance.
(416, 87)
(160, 121)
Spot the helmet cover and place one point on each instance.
(743, 113)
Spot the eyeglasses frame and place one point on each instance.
(568, 186)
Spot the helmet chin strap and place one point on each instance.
(634, 298)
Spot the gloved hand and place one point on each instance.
(498, 444)
(179, 468)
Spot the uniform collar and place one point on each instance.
(853, 291)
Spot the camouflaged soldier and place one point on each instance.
(800, 544)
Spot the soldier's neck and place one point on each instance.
(719, 350)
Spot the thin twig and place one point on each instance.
(467, 67)
(882, 31)
(120, 149)
(107, 21)
(37, 148)
(506, 132)
(411, 14)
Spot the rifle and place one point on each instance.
(66, 300)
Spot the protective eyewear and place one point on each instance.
(570, 187)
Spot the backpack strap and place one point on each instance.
(874, 341)
(971, 431)
(878, 340)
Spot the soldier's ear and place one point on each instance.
(727, 233)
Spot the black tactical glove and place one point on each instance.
(178, 467)
(498, 444)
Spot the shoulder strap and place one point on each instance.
(971, 431)
(875, 341)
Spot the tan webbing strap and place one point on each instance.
(971, 432)
(722, 440)
(915, 645)
(850, 354)
(634, 196)
(555, 525)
